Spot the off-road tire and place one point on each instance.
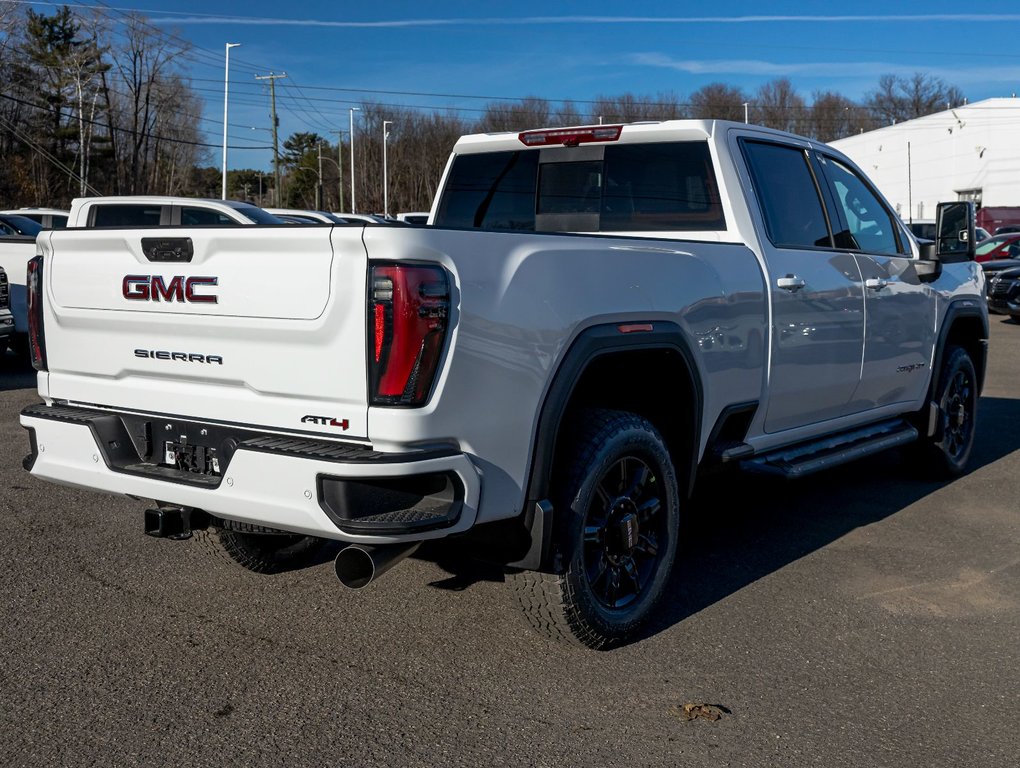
(945, 454)
(616, 524)
(259, 549)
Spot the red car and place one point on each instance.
(998, 247)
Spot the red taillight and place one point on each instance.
(408, 310)
(571, 137)
(36, 336)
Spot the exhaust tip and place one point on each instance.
(354, 567)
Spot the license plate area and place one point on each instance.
(186, 456)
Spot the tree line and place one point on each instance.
(101, 105)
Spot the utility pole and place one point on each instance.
(318, 186)
(354, 207)
(340, 166)
(385, 192)
(272, 78)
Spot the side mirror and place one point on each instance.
(954, 232)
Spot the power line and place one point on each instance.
(112, 128)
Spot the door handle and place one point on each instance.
(875, 283)
(790, 283)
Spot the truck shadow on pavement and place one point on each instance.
(739, 528)
(729, 541)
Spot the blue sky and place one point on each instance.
(438, 54)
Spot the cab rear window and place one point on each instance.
(126, 215)
(634, 187)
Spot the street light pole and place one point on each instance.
(318, 188)
(354, 207)
(226, 86)
(385, 191)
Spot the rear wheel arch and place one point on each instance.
(652, 374)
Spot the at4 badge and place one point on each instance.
(326, 421)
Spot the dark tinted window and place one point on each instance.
(19, 225)
(637, 187)
(786, 191)
(58, 222)
(493, 190)
(199, 217)
(669, 186)
(570, 187)
(126, 215)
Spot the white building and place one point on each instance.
(965, 153)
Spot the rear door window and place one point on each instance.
(788, 195)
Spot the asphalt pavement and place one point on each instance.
(864, 617)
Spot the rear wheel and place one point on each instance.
(262, 550)
(618, 507)
(947, 451)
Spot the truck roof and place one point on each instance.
(650, 131)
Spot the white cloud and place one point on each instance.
(193, 18)
(830, 69)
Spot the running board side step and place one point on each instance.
(807, 458)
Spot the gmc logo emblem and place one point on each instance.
(180, 288)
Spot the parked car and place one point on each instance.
(998, 247)
(13, 225)
(17, 246)
(48, 218)
(6, 318)
(156, 211)
(417, 217)
(299, 216)
(923, 229)
(1008, 230)
(367, 218)
(1003, 292)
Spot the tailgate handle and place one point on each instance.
(168, 248)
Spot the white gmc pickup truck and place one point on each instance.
(594, 316)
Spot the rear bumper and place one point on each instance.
(319, 488)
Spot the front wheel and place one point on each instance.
(948, 450)
(617, 511)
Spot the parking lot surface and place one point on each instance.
(864, 617)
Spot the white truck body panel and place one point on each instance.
(291, 331)
(317, 334)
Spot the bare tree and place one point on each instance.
(143, 64)
(897, 98)
(629, 108)
(833, 116)
(528, 113)
(718, 101)
(778, 105)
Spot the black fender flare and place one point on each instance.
(957, 309)
(967, 307)
(589, 345)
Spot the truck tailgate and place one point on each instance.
(262, 326)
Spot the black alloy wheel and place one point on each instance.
(617, 508)
(623, 528)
